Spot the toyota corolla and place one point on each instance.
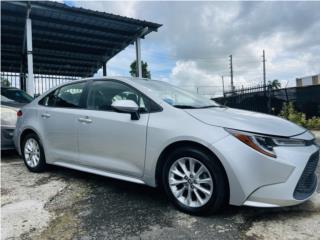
(202, 154)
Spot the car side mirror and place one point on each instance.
(127, 106)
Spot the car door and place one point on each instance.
(58, 114)
(108, 140)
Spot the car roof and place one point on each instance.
(123, 78)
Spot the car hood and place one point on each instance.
(246, 121)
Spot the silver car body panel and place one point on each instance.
(114, 145)
(113, 142)
(244, 120)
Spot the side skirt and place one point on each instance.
(99, 172)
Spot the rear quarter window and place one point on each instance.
(67, 96)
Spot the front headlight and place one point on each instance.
(265, 144)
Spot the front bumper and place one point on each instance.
(277, 195)
(261, 181)
(7, 137)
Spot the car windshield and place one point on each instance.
(177, 97)
(16, 95)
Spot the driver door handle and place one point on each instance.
(85, 120)
(45, 115)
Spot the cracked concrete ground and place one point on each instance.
(66, 204)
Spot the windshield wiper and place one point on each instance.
(213, 106)
(185, 106)
(194, 107)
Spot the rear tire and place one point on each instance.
(194, 181)
(33, 153)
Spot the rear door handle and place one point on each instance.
(45, 115)
(85, 120)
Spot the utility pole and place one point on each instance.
(231, 73)
(264, 69)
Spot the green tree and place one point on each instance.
(275, 84)
(5, 82)
(145, 72)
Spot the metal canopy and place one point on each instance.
(66, 40)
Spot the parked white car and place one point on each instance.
(12, 99)
(203, 154)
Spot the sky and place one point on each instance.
(192, 47)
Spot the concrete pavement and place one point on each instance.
(67, 204)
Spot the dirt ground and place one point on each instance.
(66, 204)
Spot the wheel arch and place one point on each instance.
(186, 143)
(24, 133)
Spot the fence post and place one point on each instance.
(285, 90)
(269, 98)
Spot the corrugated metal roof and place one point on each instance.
(66, 40)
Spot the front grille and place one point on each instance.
(308, 180)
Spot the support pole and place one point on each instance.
(30, 81)
(104, 69)
(138, 59)
(23, 54)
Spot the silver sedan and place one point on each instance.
(202, 154)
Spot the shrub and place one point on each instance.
(289, 112)
(313, 123)
(5, 82)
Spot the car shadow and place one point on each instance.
(156, 197)
(101, 187)
(9, 155)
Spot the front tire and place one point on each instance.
(33, 154)
(194, 181)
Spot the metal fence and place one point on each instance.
(12, 78)
(42, 83)
(267, 100)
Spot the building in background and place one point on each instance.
(308, 81)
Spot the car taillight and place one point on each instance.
(19, 113)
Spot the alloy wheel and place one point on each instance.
(190, 182)
(32, 152)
